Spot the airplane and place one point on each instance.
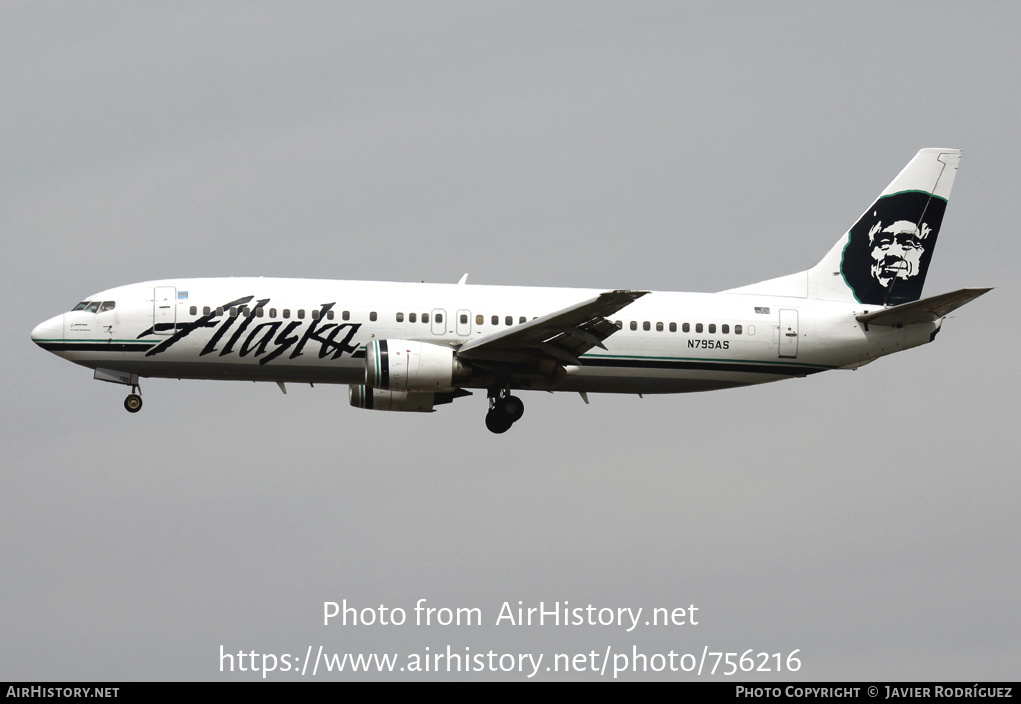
(413, 346)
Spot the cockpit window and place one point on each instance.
(95, 306)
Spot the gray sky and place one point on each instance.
(868, 519)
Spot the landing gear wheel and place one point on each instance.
(513, 408)
(504, 411)
(133, 403)
(497, 422)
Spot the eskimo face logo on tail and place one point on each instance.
(890, 247)
(897, 250)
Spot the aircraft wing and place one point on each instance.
(562, 336)
(924, 311)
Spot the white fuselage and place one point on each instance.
(316, 331)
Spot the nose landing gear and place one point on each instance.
(133, 403)
(504, 410)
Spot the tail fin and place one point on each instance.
(884, 257)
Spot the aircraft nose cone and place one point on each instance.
(49, 331)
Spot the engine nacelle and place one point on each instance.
(409, 365)
(383, 400)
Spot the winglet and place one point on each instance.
(463, 280)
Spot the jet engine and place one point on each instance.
(409, 365)
(383, 400)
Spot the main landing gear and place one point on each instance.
(504, 410)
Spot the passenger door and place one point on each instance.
(788, 333)
(164, 310)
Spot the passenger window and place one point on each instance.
(425, 317)
(737, 329)
(659, 327)
(260, 311)
(522, 319)
(286, 313)
(478, 320)
(698, 327)
(372, 316)
(439, 318)
(330, 314)
(508, 320)
(219, 310)
(496, 320)
(233, 312)
(412, 317)
(619, 324)
(712, 327)
(301, 314)
(634, 324)
(646, 326)
(724, 329)
(205, 310)
(464, 319)
(686, 327)
(673, 327)
(272, 312)
(315, 315)
(346, 315)
(400, 317)
(193, 310)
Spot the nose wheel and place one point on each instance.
(133, 403)
(504, 411)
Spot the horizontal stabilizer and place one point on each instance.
(926, 310)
